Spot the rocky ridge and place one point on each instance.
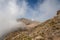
(49, 30)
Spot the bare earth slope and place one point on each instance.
(49, 30)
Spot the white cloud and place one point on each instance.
(9, 10)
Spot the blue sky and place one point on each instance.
(41, 10)
(33, 3)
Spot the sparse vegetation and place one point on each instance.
(49, 30)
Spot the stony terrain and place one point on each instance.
(49, 30)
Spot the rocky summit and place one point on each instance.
(48, 30)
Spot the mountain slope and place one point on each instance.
(49, 30)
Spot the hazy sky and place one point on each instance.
(40, 10)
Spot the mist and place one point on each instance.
(9, 11)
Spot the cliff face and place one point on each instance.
(49, 30)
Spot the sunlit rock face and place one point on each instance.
(49, 30)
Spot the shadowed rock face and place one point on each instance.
(24, 20)
(29, 23)
(58, 12)
(49, 30)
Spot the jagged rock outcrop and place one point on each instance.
(29, 23)
(24, 20)
(49, 30)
